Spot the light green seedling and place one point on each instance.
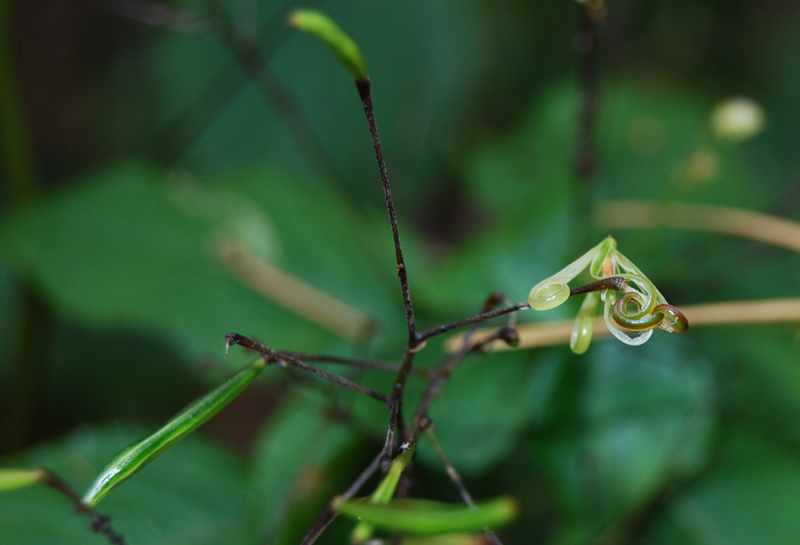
(325, 30)
(614, 272)
(130, 460)
(384, 492)
(430, 517)
(11, 479)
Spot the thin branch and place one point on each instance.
(716, 219)
(442, 374)
(328, 515)
(360, 363)
(475, 319)
(733, 312)
(274, 356)
(100, 523)
(366, 98)
(456, 478)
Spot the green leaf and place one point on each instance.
(293, 456)
(137, 248)
(325, 30)
(133, 458)
(195, 495)
(428, 517)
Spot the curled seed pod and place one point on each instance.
(613, 326)
(583, 326)
(133, 458)
(326, 31)
(545, 296)
(674, 320)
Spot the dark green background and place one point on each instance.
(146, 143)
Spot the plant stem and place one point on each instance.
(274, 356)
(100, 523)
(328, 515)
(475, 319)
(366, 98)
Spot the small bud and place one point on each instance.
(737, 119)
(325, 30)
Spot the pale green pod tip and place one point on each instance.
(548, 295)
(133, 458)
(11, 479)
(324, 29)
(605, 249)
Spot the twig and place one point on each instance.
(716, 219)
(475, 319)
(100, 523)
(456, 478)
(444, 371)
(366, 98)
(733, 312)
(274, 356)
(360, 363)
(328, 515)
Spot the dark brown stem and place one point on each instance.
(328, 515)
(456, 478)
(274, 356)
(475, 319)
(366, 98)
(100, 523)
(614, 283)
(442, 374)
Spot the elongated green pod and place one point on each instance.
(606, 249)
(430, 517)
(583, 327)
(326, 31)
(11, 479)
(133, 458)
(384, 492)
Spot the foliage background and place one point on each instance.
(140, 144)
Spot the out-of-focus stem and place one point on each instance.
(734, 312)
(716, 219)
(296, 295)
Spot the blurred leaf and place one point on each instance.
(749, 497)
(292, 457)
(647, 418)
(136, 248)
(486, 405)
(194, 494)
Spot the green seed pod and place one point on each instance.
(606, 248)
(130, 460)
(326, 31)
(430, 517)
(20, 478)
(545, 296)
(584, 324)
(384, 492)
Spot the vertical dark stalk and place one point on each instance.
(587, 42)
(414, 340)
(366, 98)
